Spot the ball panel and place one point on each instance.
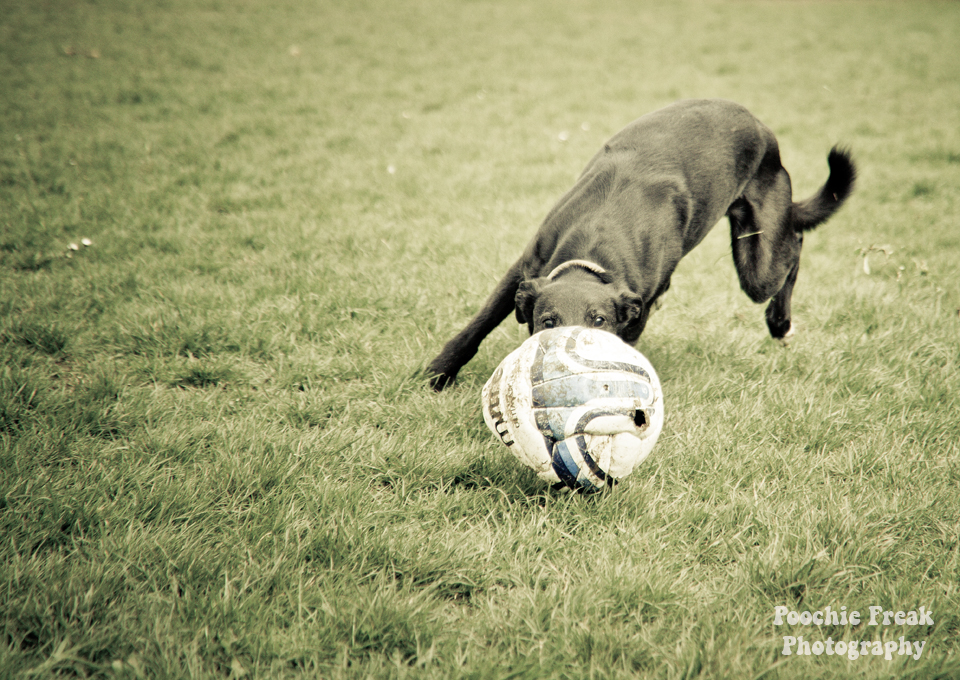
(559, 423)
(573, 390)
(508, 412)
(564, 465)
(573, 350)
(492, 410)
(575, 467)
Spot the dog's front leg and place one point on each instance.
(444, 368)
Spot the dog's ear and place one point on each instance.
(526, 298)
(630, 316)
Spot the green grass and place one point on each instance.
(215, 459)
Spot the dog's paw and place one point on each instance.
(441, 382)
(437, 377)
(788, 336)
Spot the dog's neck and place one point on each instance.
(591, 267)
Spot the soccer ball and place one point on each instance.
(577, 405)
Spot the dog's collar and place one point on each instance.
(583, 264)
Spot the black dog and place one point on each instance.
(606, 251)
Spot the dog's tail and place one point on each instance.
(819, 207)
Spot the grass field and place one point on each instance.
(216, 459)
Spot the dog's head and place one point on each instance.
(579, 298)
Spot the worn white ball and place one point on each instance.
(577, 405)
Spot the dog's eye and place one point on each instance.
(549, 323)
(598, 321)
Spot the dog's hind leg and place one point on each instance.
(778, 311)
(767, 230)
(458, 351)
(766, 246)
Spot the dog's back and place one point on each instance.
(710, 146)
(668, 176)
